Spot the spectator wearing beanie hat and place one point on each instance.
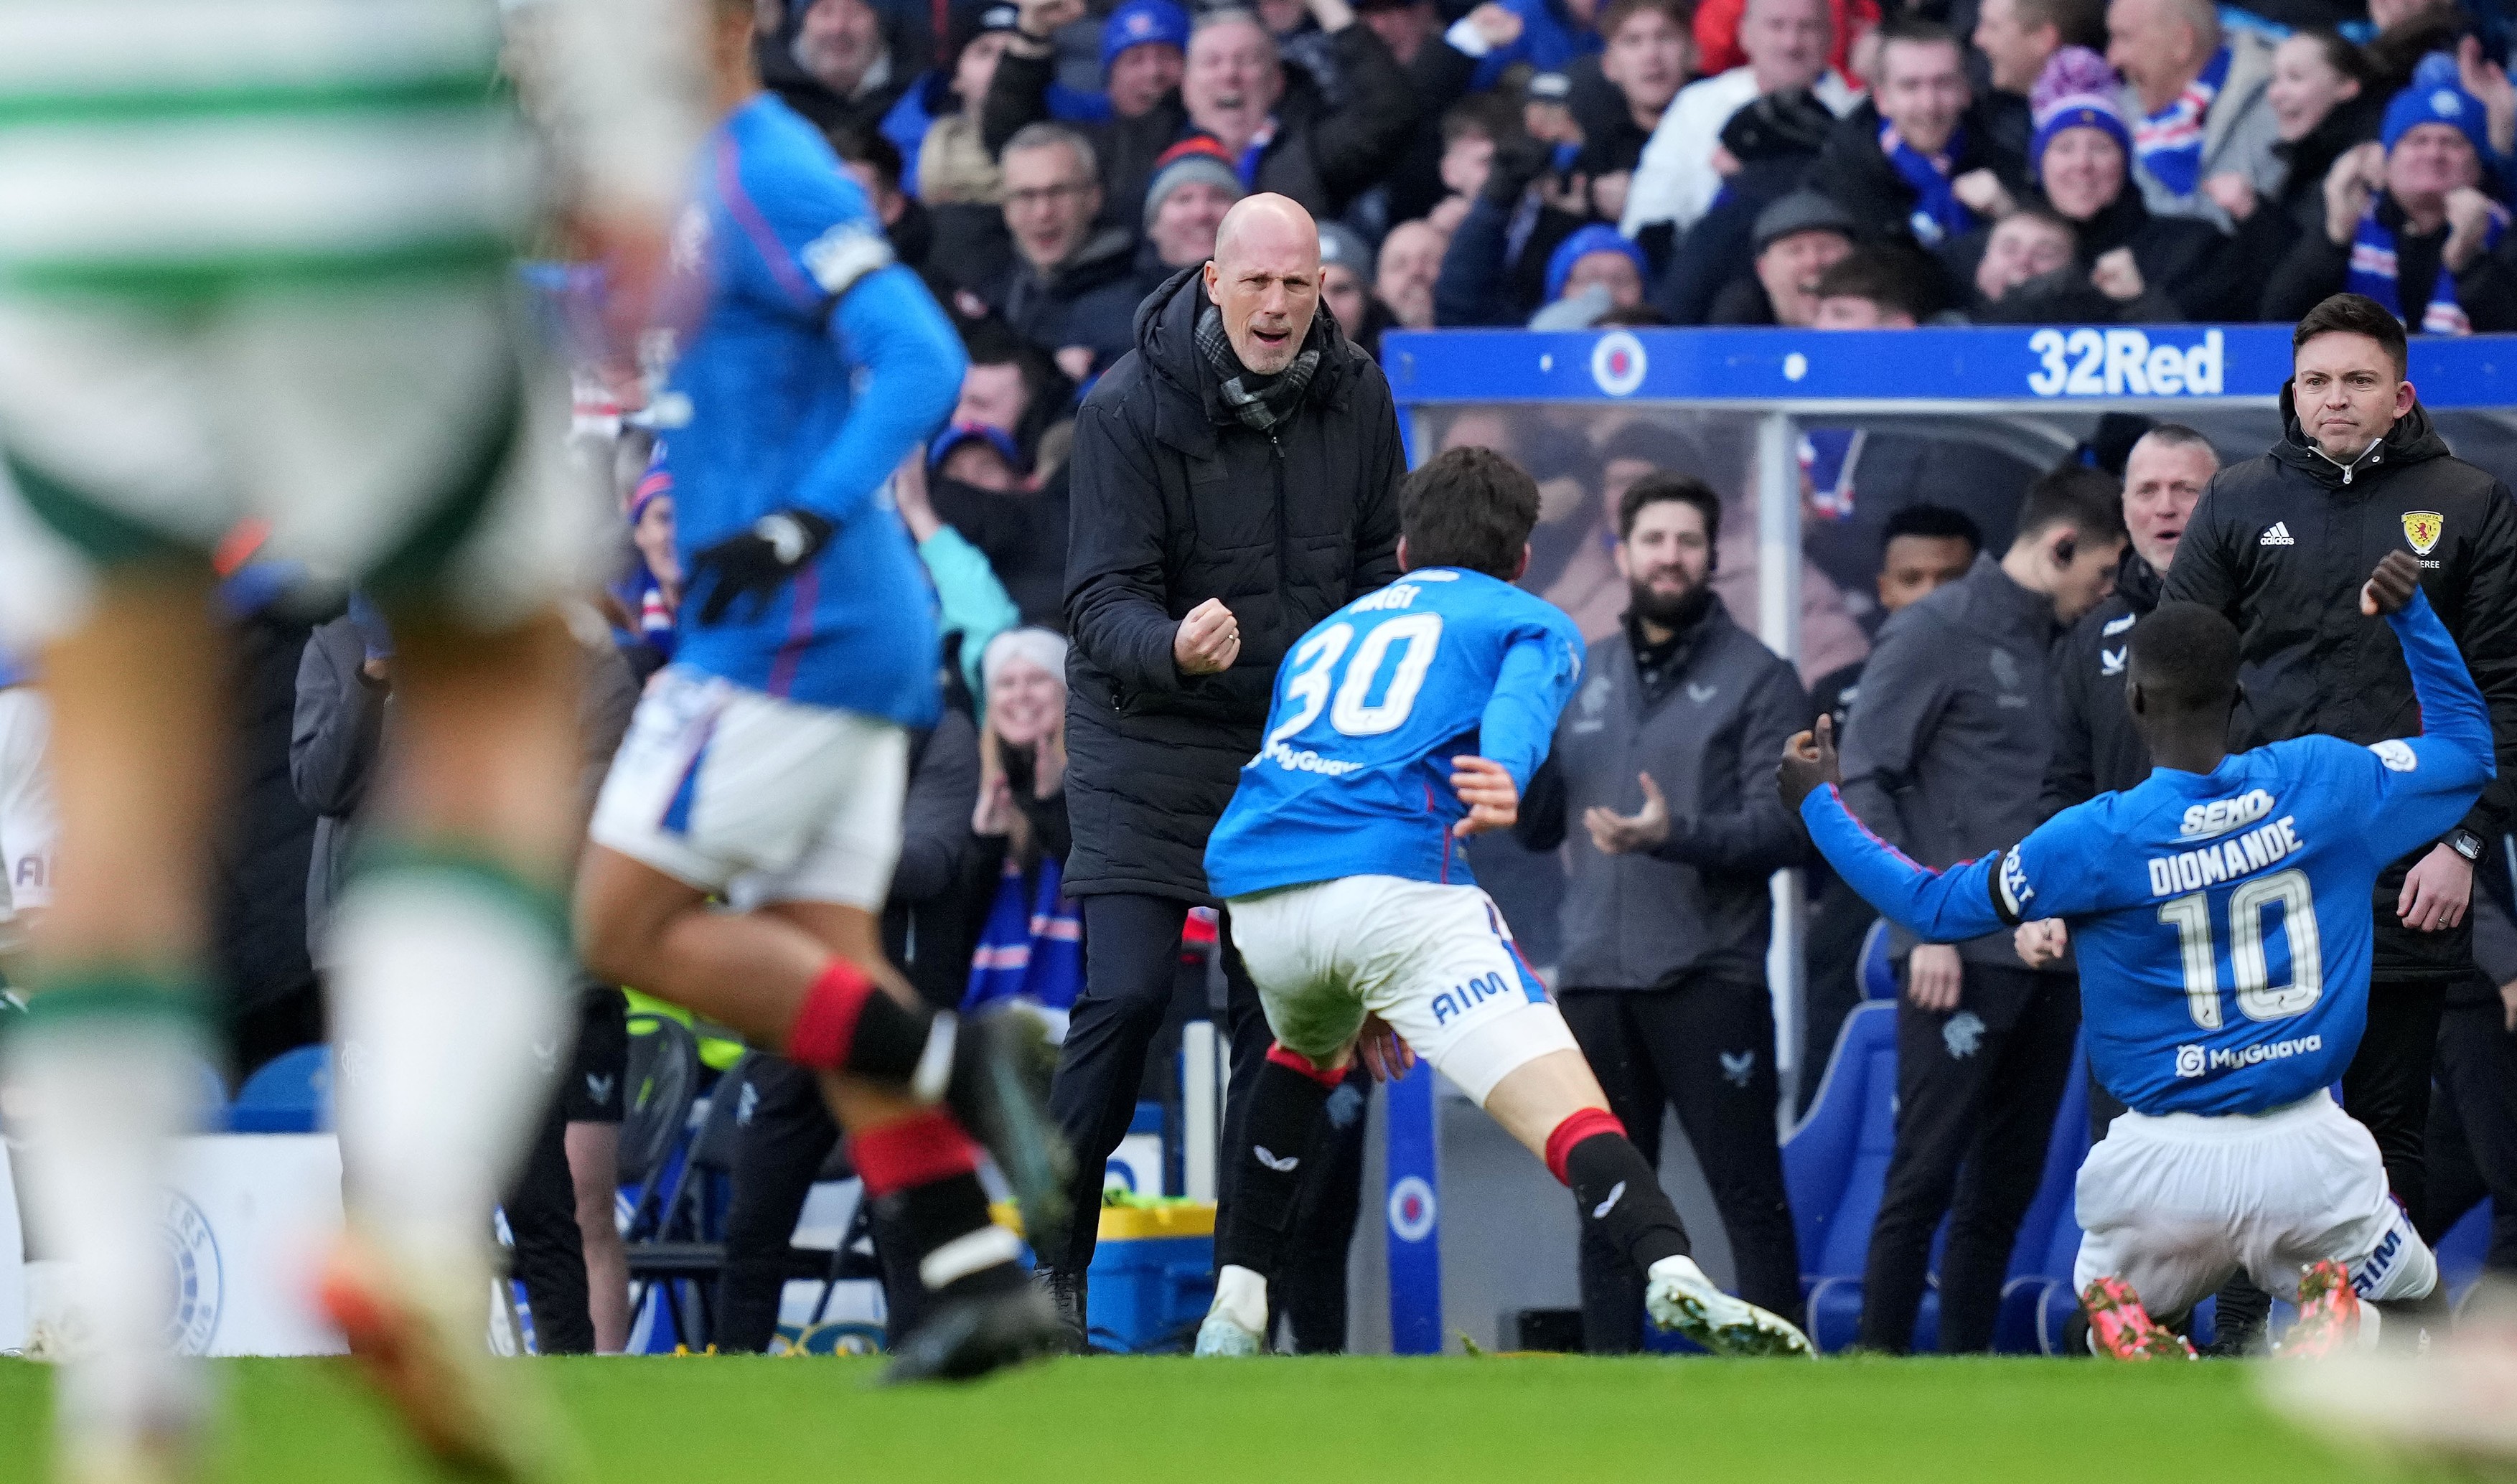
(1798, 239)
(2407, 222)
(1599, 263)
(1145, 45)
(2080, 157)
(1193, 186)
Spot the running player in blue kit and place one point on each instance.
(1407, 719)
(768, 763)
(2220, 914)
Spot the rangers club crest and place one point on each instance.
(2421, 528)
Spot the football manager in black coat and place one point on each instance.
(2278, 544)
(1235, 481)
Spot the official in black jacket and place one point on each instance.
(1236, 480)
(2278, 544)
(2096, 748)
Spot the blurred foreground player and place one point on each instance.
(768, 763)
(1407, 719)
(255, 275)
(2243, 873)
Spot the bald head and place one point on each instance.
(1265, 279)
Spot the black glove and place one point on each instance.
(1518, 161)
(758, 562)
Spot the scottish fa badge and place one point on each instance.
(2421, 528)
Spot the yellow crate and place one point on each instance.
(1126, 1223)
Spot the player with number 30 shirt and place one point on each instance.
(1406, 719)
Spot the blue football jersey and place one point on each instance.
(802, 365)
(2221, 919)
(1354, 775)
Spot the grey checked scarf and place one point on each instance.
(1261, 403)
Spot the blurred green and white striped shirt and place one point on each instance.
(171, 147)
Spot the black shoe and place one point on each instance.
(965, 1338)
(1066, 1291)
(1002, 1064)
(2239, 1322)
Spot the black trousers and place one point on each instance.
(2473, 1129)
(1707, 1048)
(549, 1249)
(541, 1208)
(1311, 1288)
(782, 1145)
(1976, 1087)
(2388, 1085)
(1130, 965)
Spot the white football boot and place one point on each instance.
(1237, 1323)
(1681, 1297)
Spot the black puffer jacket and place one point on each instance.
(2096, 749)
(2282, 544)
(1175, 502)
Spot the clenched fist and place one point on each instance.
(1208, 640)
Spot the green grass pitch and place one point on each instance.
(1297, 1422)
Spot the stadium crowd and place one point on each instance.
(1056, 171)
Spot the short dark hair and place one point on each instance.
(2090, 501)
(2175, 435)
(2077, 23)
(1483, 115)
(1471, 507)
(2354, 314)
(1914, 30)
(2185, 657)
(1619, 12)
(1938, 523)
(2342, 54)
(1884, 277)
(1665, 486)
(857, 144)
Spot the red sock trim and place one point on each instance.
(1586, 1124)
(827, 1025)
(1303, 1066)
(918, 1149)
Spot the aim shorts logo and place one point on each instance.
(200, 1278)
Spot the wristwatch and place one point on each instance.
(2464, 842)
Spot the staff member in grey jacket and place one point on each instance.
(1945, 757)
(1668, 916)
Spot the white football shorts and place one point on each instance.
(1436, 961)
(761, 799)
(2177, 1204)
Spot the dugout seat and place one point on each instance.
(2036, 1296)
(1835, 1166)
(1835, 1163)
(1874, 971)
(293, 1093)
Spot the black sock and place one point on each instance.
(1285, 1109)
(1621, 1198)
(946, 1226)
